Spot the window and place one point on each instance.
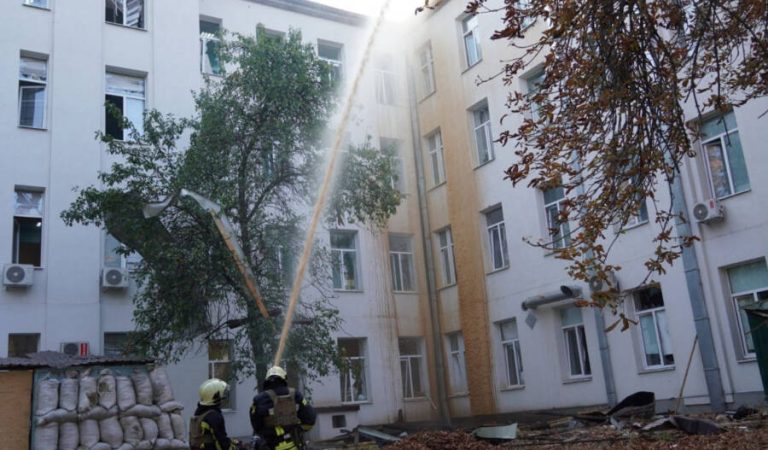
(331, 53)
(558, 229)
(354, 384)
(401, 259)
(483, 136)
(446, 256)
(344, 257)
(37, 3)
(427, 85)
(385, 80)
(524, 5)
(458, 368)
(411, 367)
(533, 86)
(398, 174)
(435, 142)
(119, 344)
(575, 342)
(511, 345)
(725, 159)
(210, 48)
(127, 95)
(125, 12)
(220, 366)
(33, 80)
(641, 216)
(657, 344)
(471, 40)
(22, 344)
(749, 289)
(113, 257)
(28, 228)
(497, 238)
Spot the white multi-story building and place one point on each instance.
(448, 311)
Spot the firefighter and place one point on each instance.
(280, 415)
(206, 427)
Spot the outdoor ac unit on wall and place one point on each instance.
(597, 284)
(75, 348)
(114, 278)
(708, 211)
(18, 275)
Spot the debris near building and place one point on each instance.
(92, 403)
(441, 440)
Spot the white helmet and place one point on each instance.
(276, 371)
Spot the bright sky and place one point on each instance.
(399, 8)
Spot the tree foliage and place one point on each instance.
(606, 121)
(255, 149)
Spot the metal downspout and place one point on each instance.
(434, 316)
(698, 304)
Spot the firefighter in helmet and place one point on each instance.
(206, 427)
(280, 415)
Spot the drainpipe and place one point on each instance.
(701, 321)
(429, 263)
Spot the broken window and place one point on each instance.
(33, 81)
(657, 343)
(210, 48)
(331, 53)
(125, 12)
(28, 227)
(22, 344)
(353, 379)
(126, 95)
(575, 342)
(749, 289)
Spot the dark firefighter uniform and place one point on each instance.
(206, 427)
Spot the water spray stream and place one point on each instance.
(324, 188)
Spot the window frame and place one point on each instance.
(205, 39)
(473, 32)
(483, 127)
(511, 344)
(35, 335)
(142, 21)
(385, 80)
(229, 403)
(16, 233)
(743, 328)
(436, 156)
(563, 237)
(337, 65)
(654, 313)
(124, 96)
(362, 343)
(447, 259)
(459, 384)
(397, 183)
(339, 265)
(32, 3)
(722, 139)
(582, 348)
(404, 259)
(407, 376)
(500, 229)
(31, 84)
(426, 70)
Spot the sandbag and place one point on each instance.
(126, 396)
(88, 397)
(111, 432)
(58, 416)
(161, 387)
(170, 407)
(150, 429)
(177, 423)
(69, 436)
(47, 396)
(162, 444)
(165, 431)
(98, 413)
(178, 444)
(143, 411)
(89, 433)
(142, 386)
(101, 446)
(144, 445)
(126, 446)
(47, 437)
(107, 389)
(132, 432)
(68, 394)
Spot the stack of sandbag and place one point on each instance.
(104, 411)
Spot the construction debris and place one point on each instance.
(441, 440)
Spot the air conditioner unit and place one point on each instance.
(18, 274)
(114, 278)
(75, 348)
(596, 284)
(708, 211)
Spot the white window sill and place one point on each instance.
(348, 291)
(25, 127)
(406, 292)
(415, 399)
(468, 68)
(747, 359)
(426, 96)
(733, 195)
(447, 286)
(209, 74)
(459, 395)
(361, 402)
(229, 411)
(44, 8)
(125, 26)
(442, 183)
(657, 369)
(635, 225)
(577, 380)
(490, 160)
(500, 269)
(518, 387)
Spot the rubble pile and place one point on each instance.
(108, 411)
(441, 440)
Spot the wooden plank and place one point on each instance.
(15, 408)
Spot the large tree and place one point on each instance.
(606, 119)
(255, 148)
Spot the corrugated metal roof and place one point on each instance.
(58, 360)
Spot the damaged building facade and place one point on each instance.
(447, 312)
